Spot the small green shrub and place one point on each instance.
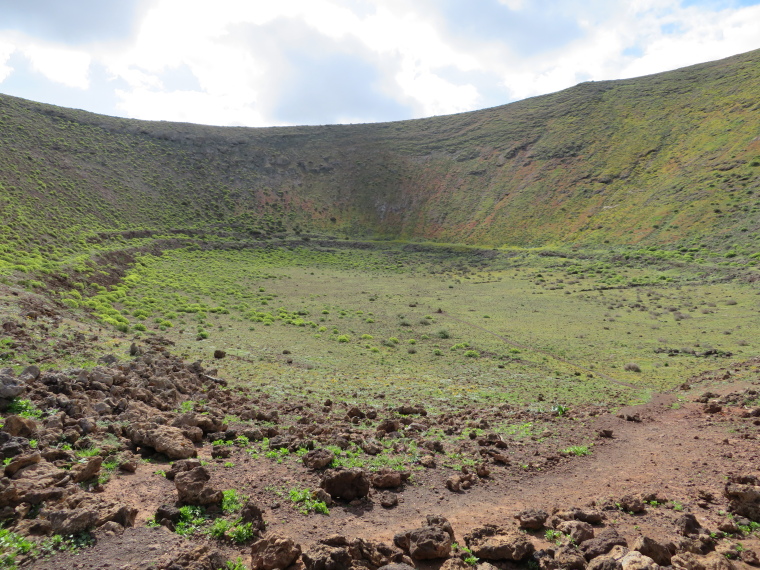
(238, 564)
(219, 528)
(577, 450)
(306, 503)
(190, 519)
(241, 532)
(24, 408)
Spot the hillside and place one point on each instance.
(234, 348)
(662, 159)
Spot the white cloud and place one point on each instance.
(667, 35)
(60, 65)
(435, 95)
(190, 107)
(243, 54)
(6, 50)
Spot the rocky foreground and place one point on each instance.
(66, 433)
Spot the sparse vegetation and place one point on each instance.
(237, 259)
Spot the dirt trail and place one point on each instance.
(659, 454)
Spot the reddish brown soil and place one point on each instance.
(681, 454)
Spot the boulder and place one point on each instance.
(509, 546)
(373, 554)
(86, 471)
(490, 542)
(635, 560)
(387, 478)
(632, 504)
(254, 514)
(192, 489)
(18, 426)
(433, 540)
(388, 500)
(318, 458)
(346, 484)
(653, 549)
(274, 552)
(610, 560)
(579, 531)
(71, 521)
(167, 440)
(602, 544)
(181, 466)
(20, 462)
(568, 558)
(687, 525)
(691, 561)
(429, 542)
(532, 519)
(744, 497)
(10, 388)
(120, 514)
(323, 557)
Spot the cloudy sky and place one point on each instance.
(281, 62)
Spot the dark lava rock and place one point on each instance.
(348, 484)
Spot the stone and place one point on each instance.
(569, 558)
(632, 504)
(192, 489)
(579, 531)
(318, 458)
(121, 514)
(744, 497)
(221, 451)
(532, 519)
(324, 557)
(167, 515)
(610, 560)
(387, 478)
(168, 440)
(20, 462)
(254, 514)
(373, 554)
(71, 521)
(388, 500)
(658, 552)
(181, 466)
(18, 426)
(29, 374)
(10, 387)
(635, 560)
(86, 471)
(508, 546)
(691, 561)
(687, 525)
(427, 461)
(602, 544)
(429, 542)
(441, 522)
(348, 484)
(274, 552)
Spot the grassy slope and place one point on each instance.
(659, 159)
